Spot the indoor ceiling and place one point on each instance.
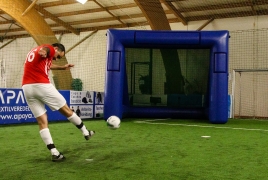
(70, 16)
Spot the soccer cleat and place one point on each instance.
(91, 133)
(56, 158)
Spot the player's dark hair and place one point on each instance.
(59, 46)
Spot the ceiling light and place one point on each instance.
(82, 1)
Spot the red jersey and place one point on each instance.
(36, 68)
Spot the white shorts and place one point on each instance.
(37, 95)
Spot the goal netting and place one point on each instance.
(249, 73)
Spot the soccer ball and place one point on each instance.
(113, 122)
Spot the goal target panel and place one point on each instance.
(167, 74)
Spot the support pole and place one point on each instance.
(205, 24)
(60, 37)
(7, 43)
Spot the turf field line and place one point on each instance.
(195, 125)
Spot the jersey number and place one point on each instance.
(31, 55)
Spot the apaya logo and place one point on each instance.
(11, 97)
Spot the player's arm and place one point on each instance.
(65, 67)
(44, 52)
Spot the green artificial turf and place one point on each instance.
(140, 149)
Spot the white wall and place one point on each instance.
(90, 56)
(230, 24)
(14, 56)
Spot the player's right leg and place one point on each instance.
(73, 118)
(56, 101)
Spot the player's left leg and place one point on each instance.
(73, 118)
(31, 92)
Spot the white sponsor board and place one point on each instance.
(98, 111)
(81, 97)
(99, 98)
(83, 111)
(81, 102)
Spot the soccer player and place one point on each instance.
(38, 91)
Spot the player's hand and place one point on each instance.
(68, 66)
(42, 53)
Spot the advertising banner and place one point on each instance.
(13, 107)
(99, 97)
(81, 102)
(98, 111)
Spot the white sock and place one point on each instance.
(78, 123)
(46, 137)
(54, 151)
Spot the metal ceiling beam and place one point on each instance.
(226, 15)
(67, 2)
(9, 21)
(252, 7)
(6, 22)
(82, 40)
(171, 20)
(60, 37)
(12, 30)
(223, 6)
(205, 24)
(96, 10)
(56, 19)
(175, 11)
(108, 11)
(73, 13)
(7, 43)
(87, 29)
(3, 37)
(129, 5)
(58, 3)
(81, 30)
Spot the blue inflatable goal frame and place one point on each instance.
(116, 101)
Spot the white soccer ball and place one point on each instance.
(113, 122)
